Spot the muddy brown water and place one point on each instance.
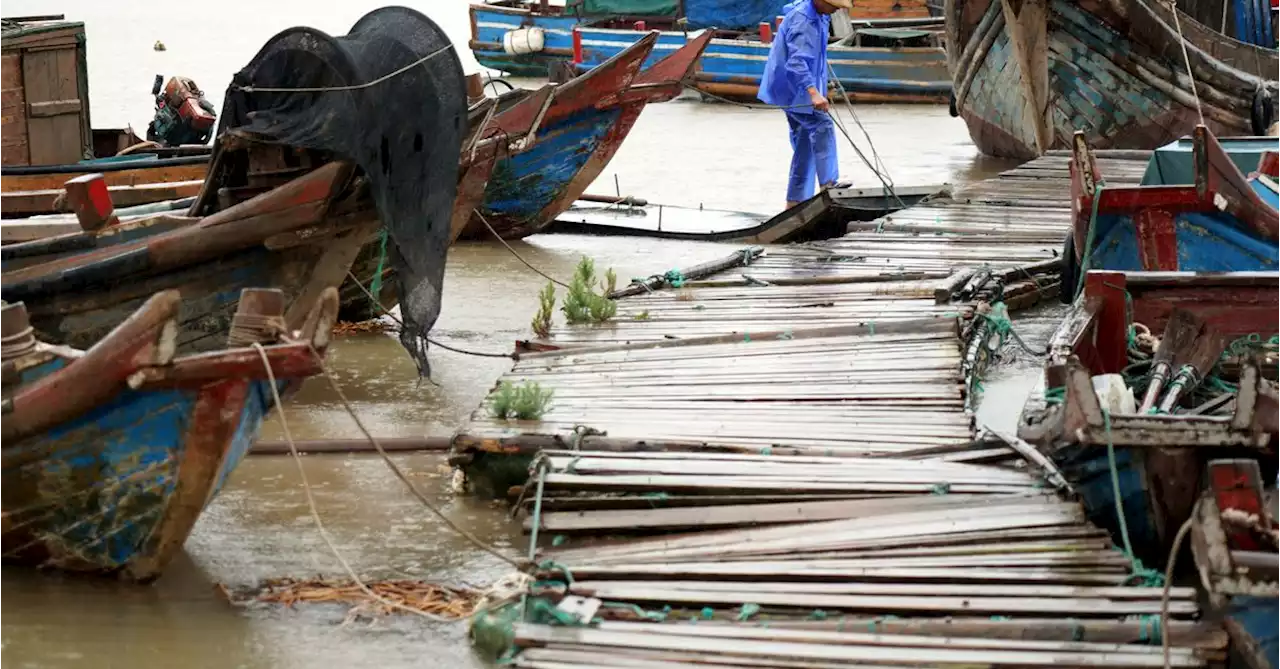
(680, 153)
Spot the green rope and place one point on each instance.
(942, 488)
(1148, 577)
(674, 278)
(748, 610)
(1055, 395)
(1149, 629)
(1088, 242)
(656, 616)
(375, 286)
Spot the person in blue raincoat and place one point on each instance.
(795, 78)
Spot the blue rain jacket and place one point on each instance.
(798, 57)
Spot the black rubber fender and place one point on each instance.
(1070, 270)
(1263, 113)
(951, 105)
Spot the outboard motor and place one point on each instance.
(183, 115)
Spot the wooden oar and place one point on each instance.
(1179, 335)
(1204, 353)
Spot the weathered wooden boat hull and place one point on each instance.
(733, 67)
(1026, 79)
(1235, 561)
(115, 482)
(31, 191)
(80, 286)
(1216, 221)
(1157, 457)
(584, 127)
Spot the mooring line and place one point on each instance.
(311, 502)
(395, 469)
(1173, 8)
(517, 255)
(385, 312)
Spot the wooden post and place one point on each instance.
(259, 317)
(1027, 22)
(88, 197)
(15, 327)
(475, 87)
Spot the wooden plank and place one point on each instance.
(53, 108)
(536, 634)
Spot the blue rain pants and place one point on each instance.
(813, 146)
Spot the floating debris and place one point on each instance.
(438, 600)
(159, 46)
(371, 326)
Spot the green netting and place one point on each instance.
(631, 7)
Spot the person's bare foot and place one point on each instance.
(837, 184)
(790, 204)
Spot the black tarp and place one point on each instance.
(404, 132)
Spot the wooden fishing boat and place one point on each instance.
(887, 52)
(1233, 539)
(48, 138)
(111, 454)
(1154, 459)
(529, 154)
(1195, 211)
(279, 208)
(1027, 74)
(580, 129)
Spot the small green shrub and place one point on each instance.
(582, 304)
(546, 307)
(528, 401)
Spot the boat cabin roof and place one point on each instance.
(19, 32)
(1172, 164)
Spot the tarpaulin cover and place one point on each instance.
(405, 132)
(731, 14)
(631, 7)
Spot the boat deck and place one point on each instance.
(801, 417)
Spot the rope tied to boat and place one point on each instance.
(247, 329)
(352, 87)
(18, 344)
(1147, 577)
(311, 502)
(498, 237)
(1186, 59)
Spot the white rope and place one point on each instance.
(1168, 582)
(311, 502)
(1173, 7)
(353, 87)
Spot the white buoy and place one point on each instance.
(523, 40)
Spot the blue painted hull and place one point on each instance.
(524, 185)
(490, 26)
(1094, 84)
(905, 72)
(1252, 623)
(1088, 470)
(1207, 242)
(94, 494)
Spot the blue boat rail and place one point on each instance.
(889, 60)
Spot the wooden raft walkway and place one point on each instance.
(783, 454)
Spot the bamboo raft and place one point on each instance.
(774, 462)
